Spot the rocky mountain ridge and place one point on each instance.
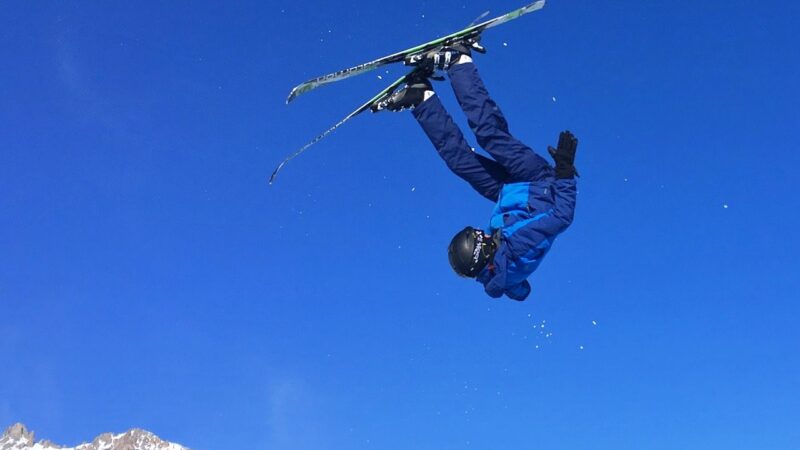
(17, 437)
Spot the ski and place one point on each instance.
(378, 97)
(471, 31)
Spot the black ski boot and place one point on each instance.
(444, 57)
(412, 94)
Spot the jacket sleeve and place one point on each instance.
(531, 233)
(496, 287)
(519, 292)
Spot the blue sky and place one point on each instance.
(150, 278)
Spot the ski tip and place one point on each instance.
(535, 6)
(299, 90)
(296, 91)
(275, 172)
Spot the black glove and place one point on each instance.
(564, 155)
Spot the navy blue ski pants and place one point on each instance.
(513, 161)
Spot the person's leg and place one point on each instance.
(483, 174)
(491, 129)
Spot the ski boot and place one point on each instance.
(417, 89)
(444, 57)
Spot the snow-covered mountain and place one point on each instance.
(17, 437)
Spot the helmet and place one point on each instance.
(469, 252)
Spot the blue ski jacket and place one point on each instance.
(529, 217)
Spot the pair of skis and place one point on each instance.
(472, 31)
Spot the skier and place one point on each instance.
(535, 202)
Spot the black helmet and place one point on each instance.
(469, 252)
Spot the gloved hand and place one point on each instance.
(564, 155)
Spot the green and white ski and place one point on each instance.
(468, 32)
(472, 31)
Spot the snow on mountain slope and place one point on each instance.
(17, 437)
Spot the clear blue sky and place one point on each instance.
(150, 278)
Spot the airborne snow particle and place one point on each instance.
(554, 99)
(413, 189)
(581, 347)
(380, 77)
(594, 322)
(505, 44)
(725, 206)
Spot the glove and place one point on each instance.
(564, 155)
